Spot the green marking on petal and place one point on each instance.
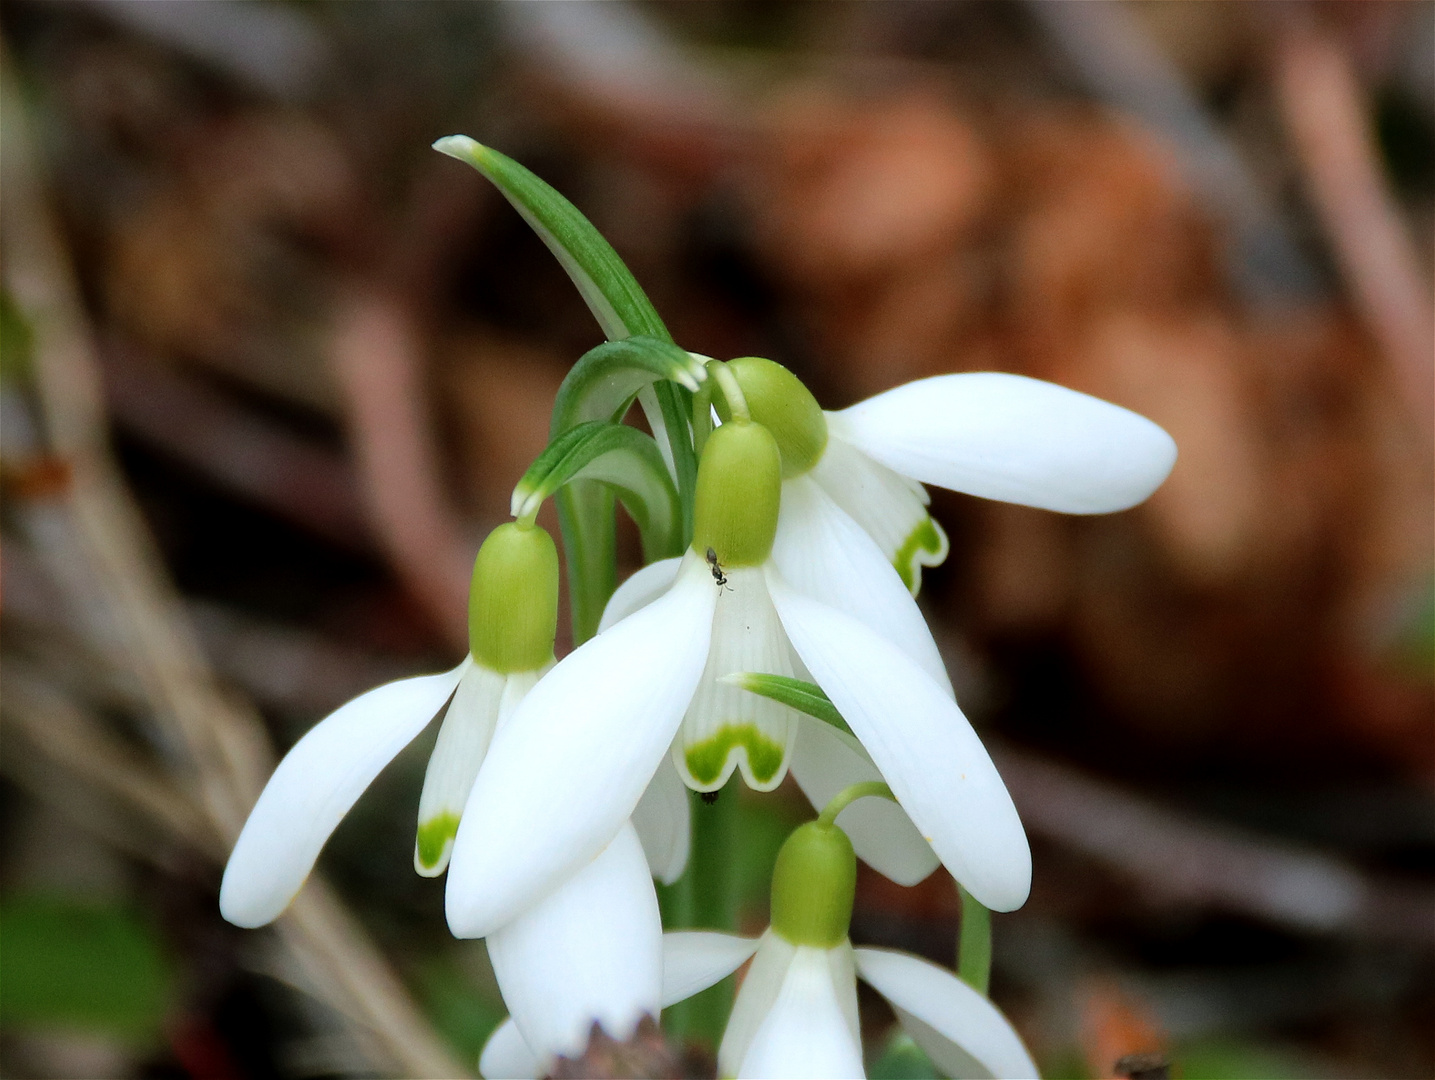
(435, 835)
(926, 545)
(707, 760)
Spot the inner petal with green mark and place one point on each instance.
(890, 507)
(727, 728)
(463, 739)
(435, 840)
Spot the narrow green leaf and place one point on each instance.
(605, 379)
(623, 458)
(606, 284)
(805, 697)
(590, 545)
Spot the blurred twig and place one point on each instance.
(218, 751)
(1116, 59)
(1329, 121)
(1207, 865)
(376, 354)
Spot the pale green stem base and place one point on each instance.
(974, 946)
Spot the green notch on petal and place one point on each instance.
(926, 545)
(435, 835)
(707, 760)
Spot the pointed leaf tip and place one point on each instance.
(458, 146)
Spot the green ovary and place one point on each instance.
(925, 539)
(434, 836)
(707, 760)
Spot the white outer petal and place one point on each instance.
(693, 960)
(1012, 438)
(824, 762)
(664, 823)
(953, 1021)
(754, 999)
(806, 1032)
(507, 1057)
(641, 589)
(565, 773)
(922, 744)
(314, 787)
(590, 950)
(822, 552)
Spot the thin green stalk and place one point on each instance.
(706, 897)
(849, 795)
(974, 946)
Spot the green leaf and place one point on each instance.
(75, 965)
(623, 311)
(604, 381)
(624, 459)
(805, 697)
(606, 284)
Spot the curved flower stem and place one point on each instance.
(974, 944)
(848, 795)
(731, 391)
(702, 417)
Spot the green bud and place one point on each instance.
(739, 487)
(812, 886)
(513, 599)
(777, 399)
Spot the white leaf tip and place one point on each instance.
(457, 146)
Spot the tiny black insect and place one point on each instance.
(709, 797)
(716, 568)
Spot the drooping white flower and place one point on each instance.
(589, 951)
(513, 612)
(597, 726)
(999, 436)
(796, 1011)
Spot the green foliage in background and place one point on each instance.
(71, 964)
(457, 1006)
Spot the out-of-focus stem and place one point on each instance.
(706, 897)
(974, 944)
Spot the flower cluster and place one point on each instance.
(774, 630)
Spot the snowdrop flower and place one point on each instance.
(999, 436)
(597, 726)
(796, 1011)
(512, 618)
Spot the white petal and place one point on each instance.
(922, 744)
(640, 590)
(693, 960)
(462, 741)
(890, 508)
(313, 788)
(726, 727)
(806, 1032)
(564, 774)
(754, 999)
(507, 1057)
(1015, 439)
(947, 1018)
(590, 950)
(824, 762)
(663, 820)
(824, 553)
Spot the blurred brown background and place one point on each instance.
(271, 368)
